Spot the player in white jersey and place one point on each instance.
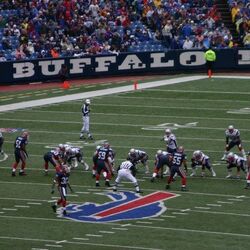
(126, 171)
(171, 142)
(233, 139)
(73, 156)
(200, 159)
(233, 160)
(138, 156)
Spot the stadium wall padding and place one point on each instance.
(181, 61)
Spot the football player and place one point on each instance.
(178, 159)
(62, 181)
(161, 158)
(103, 163)
(171, 142)
(248, 171)
(20, 153)
(200, 159)
(233, 160)
(54, 157)
(138, 156)
(73, 156)
(85, 118)
(1, 143)
(125, 171)
(233, 139)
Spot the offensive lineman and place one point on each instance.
(85, 118)
(126, 171)
(136, 156)
(233, 139)
(200, 159)
(233, 160)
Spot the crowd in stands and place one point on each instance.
(240, 12)
(58, 28)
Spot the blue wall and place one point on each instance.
(13, 72)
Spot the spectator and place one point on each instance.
(188, 44)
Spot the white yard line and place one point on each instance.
(140, 115)
(90, 94)
(108, 124)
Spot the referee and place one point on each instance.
(85, 119)
(210, 58)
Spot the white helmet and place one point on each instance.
(159, 152)
(168, 131)
(197, 154)
(132, 151)
(230, 156)
(230, 127)
(87, 101)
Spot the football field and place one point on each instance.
(213, 214)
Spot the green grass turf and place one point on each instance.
(187, 223)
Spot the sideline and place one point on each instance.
(103, 92)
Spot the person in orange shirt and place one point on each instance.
(54, 53)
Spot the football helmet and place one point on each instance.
(106, 144)
(159, 152)
(168, 131)
(87, 101)
(25, 134)
(230, 157)
(180, 149)
(230, 128)
(197, 154)
(132, 151)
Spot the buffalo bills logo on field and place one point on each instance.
(124, 206)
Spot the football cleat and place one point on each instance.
(228, 176)
(183, 189)
(247, 186)
(139, 191)
(54, 208)
(107, 184)
(65, 213)
(167, 186)
(22, 173)
(13, 174)
(97, 184)
(152, 179)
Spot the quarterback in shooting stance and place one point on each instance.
(179, 159)
(200, 159)
(233, 139)
(233, 160)
(20, 153)
(138, 156)
(62, 182)
(126, 171)
(85, 119)
(162, 158)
